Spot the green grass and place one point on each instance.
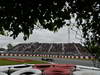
(7, 62)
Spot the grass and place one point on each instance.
(7, 62)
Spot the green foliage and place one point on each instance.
(10, 46)
(21, 16)
(88, 16)
(93, 48)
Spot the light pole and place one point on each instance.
(69, 34)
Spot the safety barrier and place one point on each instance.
(27, 72)
(51, 56)
(15, 67)
(1, 73)
(49, 69)
(71, 67)
(42, 67)
(82, 68)
(57, 71)
(86, 72)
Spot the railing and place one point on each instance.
(49, 56)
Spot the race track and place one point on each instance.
(57, 60)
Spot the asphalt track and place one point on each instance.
(57, 60)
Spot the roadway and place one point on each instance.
(57, 60)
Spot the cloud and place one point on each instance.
(43, 36)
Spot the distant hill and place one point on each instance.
(50, 48)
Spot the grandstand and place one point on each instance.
(50, 48)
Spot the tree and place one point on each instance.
(22, 16)
(88, 17)
(9, 46)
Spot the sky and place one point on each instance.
(45, 36)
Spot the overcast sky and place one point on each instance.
(44, 36)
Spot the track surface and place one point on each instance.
(57, 60)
